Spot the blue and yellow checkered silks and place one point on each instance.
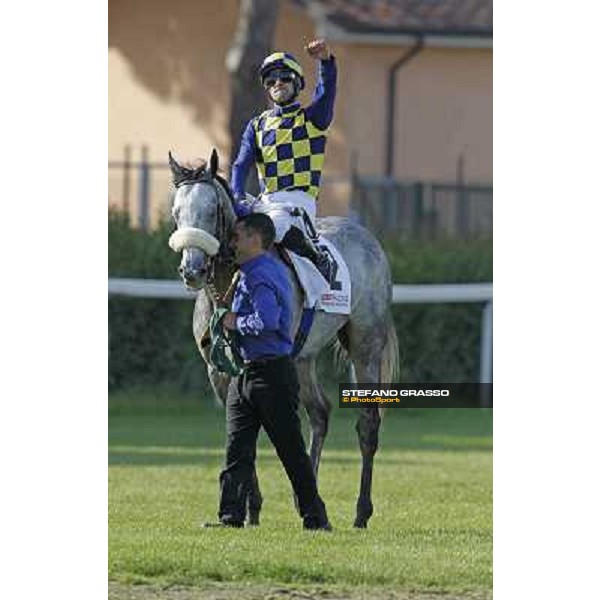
(279, 60)
(291, 151)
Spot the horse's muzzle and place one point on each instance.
(193, 278)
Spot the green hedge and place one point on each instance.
(133, 253)
(439, 342)
(151, 341)
(447, 261)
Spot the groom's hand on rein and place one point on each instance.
(229, 321)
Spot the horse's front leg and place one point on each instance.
(219, 383)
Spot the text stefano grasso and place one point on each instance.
(395, 393)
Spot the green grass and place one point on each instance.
(432, 492)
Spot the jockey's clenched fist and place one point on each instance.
(318, 49)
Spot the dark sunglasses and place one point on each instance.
(283, 76)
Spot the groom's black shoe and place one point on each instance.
(224, 525)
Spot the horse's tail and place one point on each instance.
(390, 361)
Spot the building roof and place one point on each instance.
(407, 17)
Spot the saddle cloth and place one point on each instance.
(298, 209)
(317, 292)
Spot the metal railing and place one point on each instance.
(135, 188)
(422, 210)
(406, 210)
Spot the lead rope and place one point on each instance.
(231, 288)
(216, 298)
(219, 302)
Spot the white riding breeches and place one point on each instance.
(280, 205)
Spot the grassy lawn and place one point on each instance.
(432, 492)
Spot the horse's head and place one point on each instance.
(203, 214)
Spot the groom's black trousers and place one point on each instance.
(266, 394)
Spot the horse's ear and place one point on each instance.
(214, 163)
(175, 168)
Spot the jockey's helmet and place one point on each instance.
(285, 62)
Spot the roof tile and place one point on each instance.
(442, 17)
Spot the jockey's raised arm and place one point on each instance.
(320, 111)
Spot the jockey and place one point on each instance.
(287, 144)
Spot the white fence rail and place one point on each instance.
(149, 288)
(402, 294)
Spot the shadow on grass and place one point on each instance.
(167, 428)
(214, 460)
(193, 433)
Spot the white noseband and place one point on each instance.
(192, 237)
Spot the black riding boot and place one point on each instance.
(296, 241)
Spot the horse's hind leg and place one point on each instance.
(367, 428)
(317, 407)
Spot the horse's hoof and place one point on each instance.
(360, 523)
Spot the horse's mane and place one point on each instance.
(225, 185)
(195, 169)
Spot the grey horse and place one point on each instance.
(203, 212)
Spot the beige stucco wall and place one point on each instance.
(166, 82)
(443, 110)
(168, 89)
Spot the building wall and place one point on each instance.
(169, 90)
(167, 82)
(165, 90)
(443, 111)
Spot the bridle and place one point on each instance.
(225, 256)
